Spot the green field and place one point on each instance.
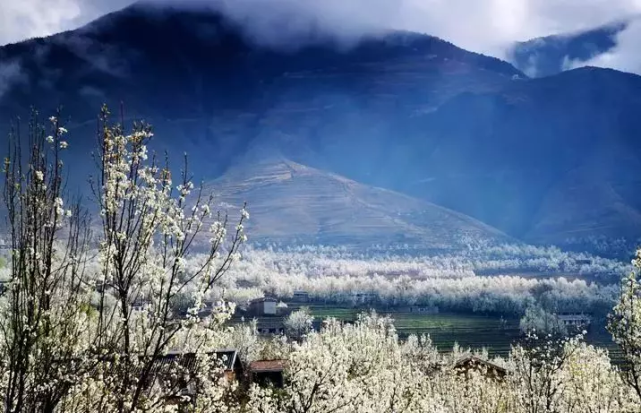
(468, 330)
(445, 329)
(476, 331)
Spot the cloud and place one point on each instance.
(103, 57)
(10, 74)
(625, 56)
(487, 26)
(23, 19)
(287, 20)
(491, 26)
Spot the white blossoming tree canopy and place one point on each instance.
(64, 325)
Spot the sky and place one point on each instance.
(486, 26)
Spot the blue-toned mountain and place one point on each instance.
(551, 55)
(540, 159)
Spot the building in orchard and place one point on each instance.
(264, 306)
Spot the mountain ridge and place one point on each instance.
(551, 55)
(406, 112)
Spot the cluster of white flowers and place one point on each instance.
(60, 211)
(625, 324)
(44, 313)
(93, 328)
(365, 368)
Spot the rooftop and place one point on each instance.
(574, 317)
(264, 366)
(263, 299)
(474, 360)
(188, 360)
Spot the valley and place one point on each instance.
(302, 206)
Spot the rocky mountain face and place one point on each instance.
(415, 120)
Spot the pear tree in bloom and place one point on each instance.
(625, 325)
(150, 224)
(43, 308)
(346, 368)
(298, 323)
(538, 319)
(79, 337)
(593, 384)
(472, 391)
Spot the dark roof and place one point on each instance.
(574, 317)
(265, 366)
(473, 360)
(263, 299)
(265, 322)
(228, 357)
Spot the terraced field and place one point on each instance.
(468, 330)
(475, 331)
(493, 333)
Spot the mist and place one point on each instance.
(488, 27)
(10, 74)
(624, 56)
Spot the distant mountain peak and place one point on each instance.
(550, 55)
(293, 203)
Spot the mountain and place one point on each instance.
(544, 159)
(293, 203)
(550, 55)
(550, 159)
(188, 69)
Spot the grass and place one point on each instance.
(447, 329)
(467, 330)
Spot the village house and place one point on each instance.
(575, 320)
(270, 326)
(264, 306)
(227, 359)
(300, 297)
(473, 363)
(268, 372)
(176, 370)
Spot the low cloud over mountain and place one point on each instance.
(489, 27)
(613, 46)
